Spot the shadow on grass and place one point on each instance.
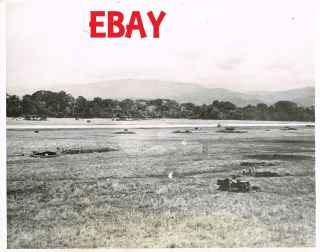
(270, 174)
(278, 157)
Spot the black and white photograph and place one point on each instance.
(160, 124)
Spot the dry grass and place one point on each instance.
(124, 199)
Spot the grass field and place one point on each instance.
(124, 198)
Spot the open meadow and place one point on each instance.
(123, 198)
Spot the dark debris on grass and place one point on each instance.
(278, 157)
(47, 154)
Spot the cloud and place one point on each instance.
(283, 64)
(191, 55)
(231, 63)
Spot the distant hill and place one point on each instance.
(301, 96)
(183, 92)
(209, 94)
(134, 89)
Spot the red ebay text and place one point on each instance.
(115, 27)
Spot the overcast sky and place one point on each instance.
(238, 45)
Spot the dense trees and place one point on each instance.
(61, 104)
(41, 103)
(14, 105)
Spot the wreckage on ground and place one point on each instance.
(233, 185)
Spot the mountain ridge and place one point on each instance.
(183, 92)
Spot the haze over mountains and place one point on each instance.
(183, 92)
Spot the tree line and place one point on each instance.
(63, 105)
